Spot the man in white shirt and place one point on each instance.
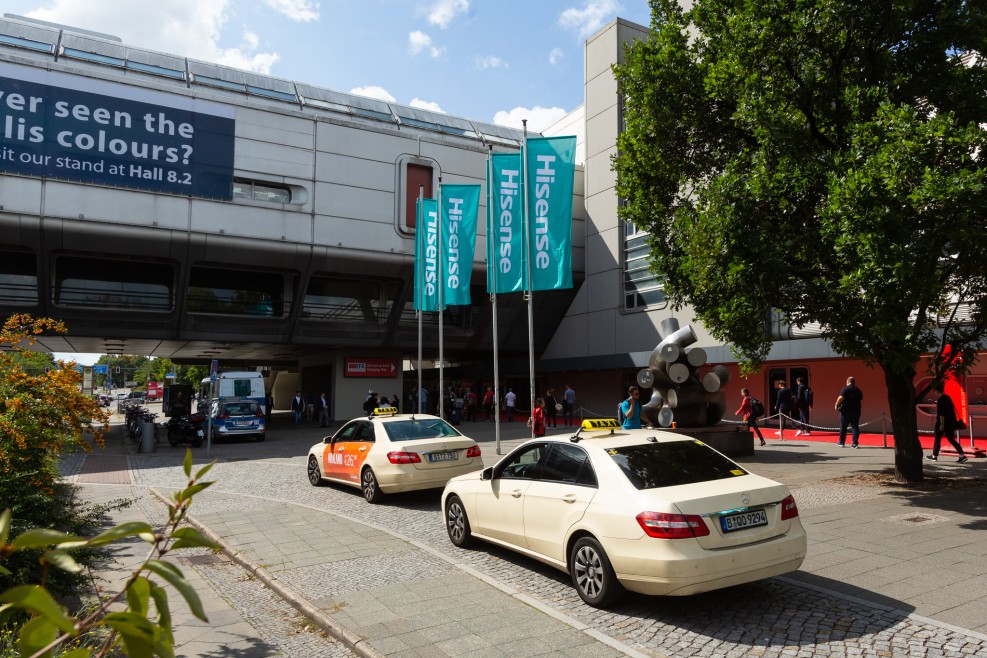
(510, 400)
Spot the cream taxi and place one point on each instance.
(650, 511)
(388, 452)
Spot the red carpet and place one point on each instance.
(878, 440)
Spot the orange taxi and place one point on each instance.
(388, 452)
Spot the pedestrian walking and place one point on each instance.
(803, 399)
(783, 403)
(488, 403)
(269, 407)
(537, 420)
(323, 403)
(568, 404)
(310, 406)
(746, 412)
(470, 401)
(552, 407)
(946, 424)
(631, 409)
(297, 407)
(848, 404)
(510, 400)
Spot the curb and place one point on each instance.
(355, 642)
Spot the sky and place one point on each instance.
(498, 61)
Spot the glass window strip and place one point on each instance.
(217, 82)
(271, 93)
(29, 44)
(155, 70)
(75, 53)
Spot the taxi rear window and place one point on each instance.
(657, 465)
(425, 428)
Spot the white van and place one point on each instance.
(236, 386)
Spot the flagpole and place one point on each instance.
(527, 265)
(419, 234)
(491, 286)
(442, 284)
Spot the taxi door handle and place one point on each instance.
(569, 498)
(516, 493)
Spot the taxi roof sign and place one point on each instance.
(601, 424)
(386, 411)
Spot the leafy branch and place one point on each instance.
(141, 634)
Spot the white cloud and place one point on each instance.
(373, 91)
(296, 10)
(555, 56)
(442, 12)
(589, 19)
(191, 28)
(489, 62)
(426, 105)
(419, 41)
(538, 117)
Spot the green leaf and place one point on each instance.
(177, 580)
(160, 596)
(41, 537)
(128, 529)
(35, 635)
(188, 462)
(191, 538)
(62, 560)
(3, 572)
(136, 632)
(138, 595)
(194, 489)
(36, 599)
(205, 469)
(5, 524)
(76, 653)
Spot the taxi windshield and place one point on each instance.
(419, 428)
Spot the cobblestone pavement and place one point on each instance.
(797, 615)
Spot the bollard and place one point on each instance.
(884, 428)
(147, 437)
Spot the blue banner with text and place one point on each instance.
(54, 125)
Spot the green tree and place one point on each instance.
(824, 158)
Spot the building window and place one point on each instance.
(18, 278)
(362, 301)
(259, 191)
(417, 176)
(113, 284)
(641, 288)
(236, 292)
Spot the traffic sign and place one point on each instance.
(100, 370)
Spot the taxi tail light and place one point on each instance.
(259, 414)
(672, 526)
(474, 451)
(789, 510)
(223, 416)
(404, 458)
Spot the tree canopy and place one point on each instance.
(824, 158)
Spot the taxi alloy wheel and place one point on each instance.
(457, 523)
(371, 490)
(314, 474)
(592, 574)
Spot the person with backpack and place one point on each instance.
(946, 424)
(848, 404)
(803, 401)
(749, 410)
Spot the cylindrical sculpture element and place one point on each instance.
(670, 352)
(678, 372)
(669, 326)
(679, 398)
(645, 378)
(716, 378)
(665, 417)
(695, 356)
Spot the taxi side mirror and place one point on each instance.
(487, 473)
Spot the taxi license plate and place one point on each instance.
(244, 423)
(448, 456)
(743, 520)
